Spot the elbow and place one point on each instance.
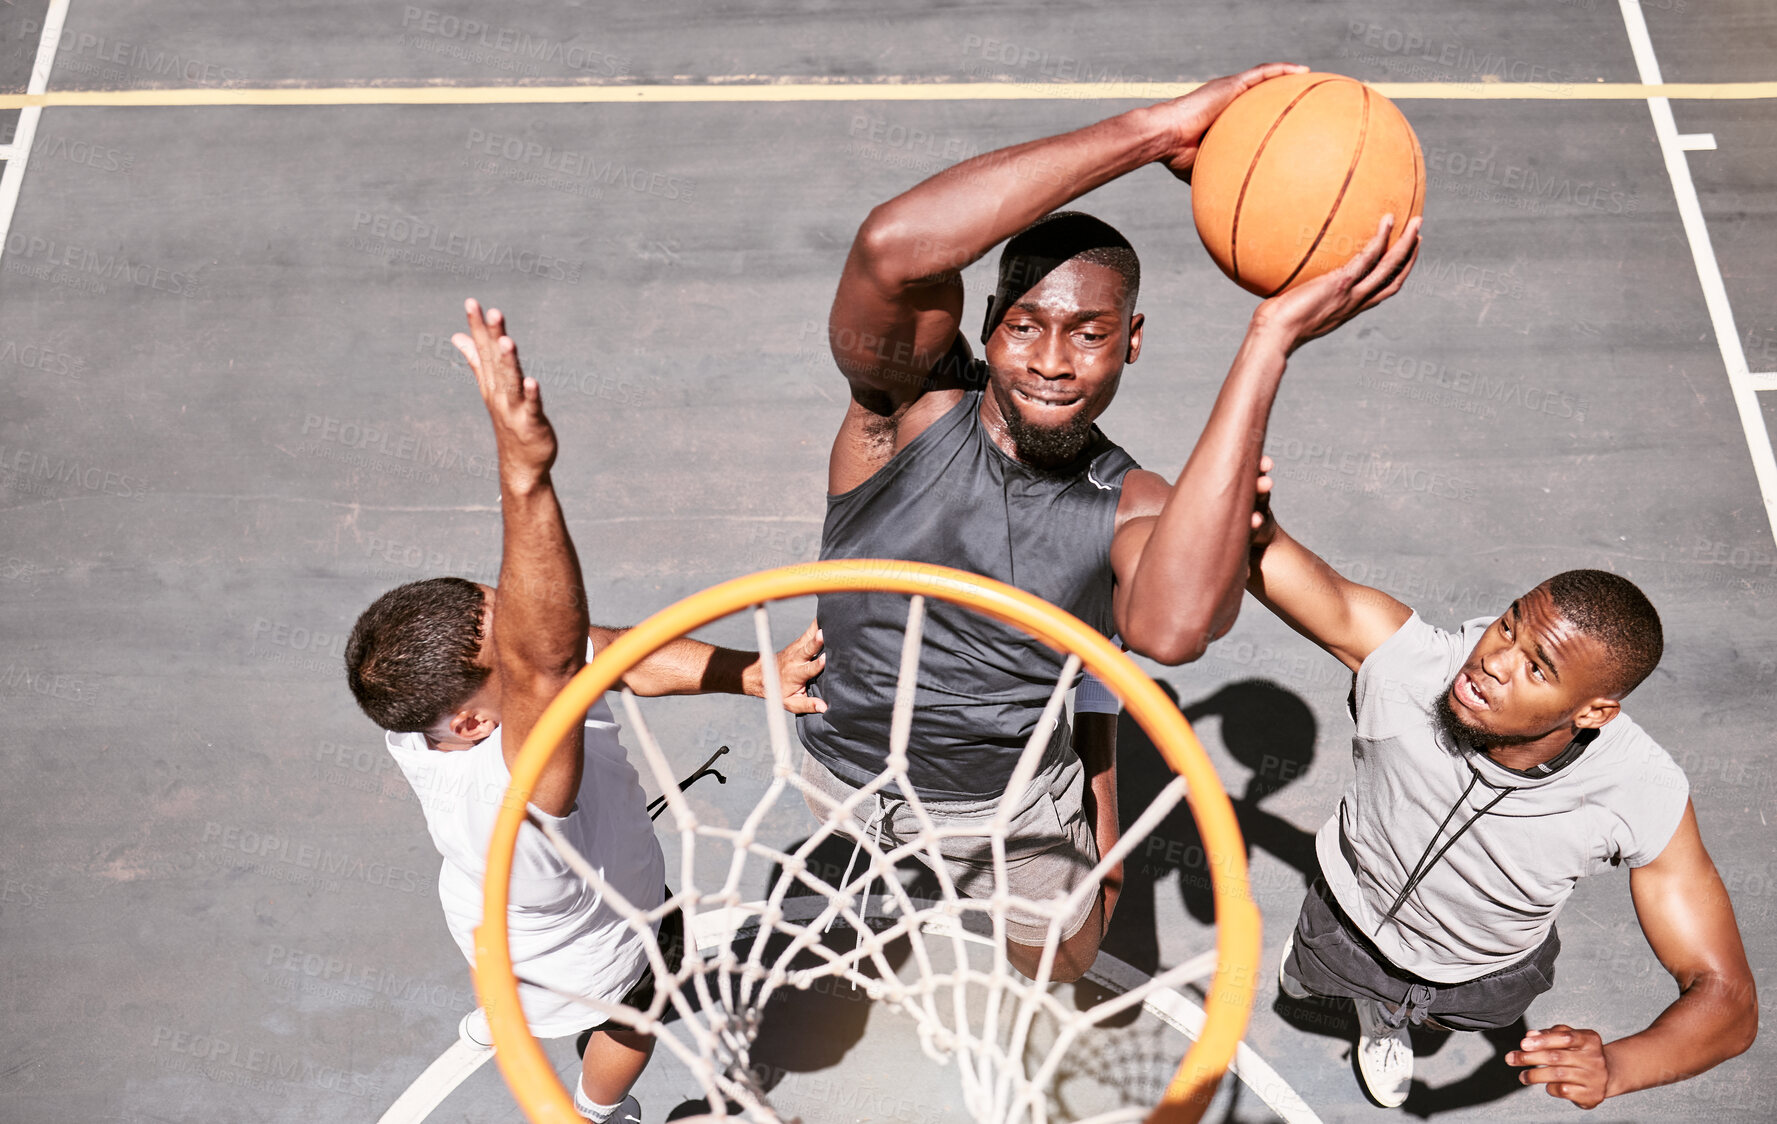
(883, 248)
(1747, 1027)
(1169, 646)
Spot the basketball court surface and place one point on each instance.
(237, 239)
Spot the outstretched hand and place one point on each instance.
(1316, 307)
(1189, 117)
(522, 434)
(1570, 1062)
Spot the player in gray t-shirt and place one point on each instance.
(1493, 770)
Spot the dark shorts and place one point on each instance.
(1332, 958)
(640, 995)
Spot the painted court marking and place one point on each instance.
(1715, 294)
(18, 153)
(754, 90)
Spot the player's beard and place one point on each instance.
(1472, 738)
(1043, 446)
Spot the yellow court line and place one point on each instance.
(847, 91)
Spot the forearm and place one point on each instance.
(952, 219)
(1712, 1021)
(541, 621)
(1187, 585)
(686, 667)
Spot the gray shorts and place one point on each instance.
(1332, 958)
(1050, 846)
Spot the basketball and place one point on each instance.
(1294, 176)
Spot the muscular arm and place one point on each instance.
(540, 620)
(1180, 573)
(1095, 741)
(1689, 923)
(1347, 619)
(900, 298)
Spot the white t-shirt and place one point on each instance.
(562, 933)
(1493, 897)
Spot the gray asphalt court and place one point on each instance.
(230, 417)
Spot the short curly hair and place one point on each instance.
(1613, 611)
(411, 658)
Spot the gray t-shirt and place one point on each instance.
(1493, 897)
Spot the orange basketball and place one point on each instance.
(1293, 177)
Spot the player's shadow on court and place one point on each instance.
(806, 1031)
(1266, 728)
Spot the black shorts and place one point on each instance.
(640, 995)
(1332, 958)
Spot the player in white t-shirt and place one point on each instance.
(1493, 770)
(459, 686)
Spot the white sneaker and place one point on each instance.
(629, 1112)
(475, 1031)
(1286, 983)
(1384, 1055)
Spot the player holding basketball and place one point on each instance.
(1495, 769)
(459, 687)
(995, 466)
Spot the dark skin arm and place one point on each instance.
(1689, 923)
(540, 624)
(1095, 741)
(1347, 619)
(1180, 572)
(900, 300)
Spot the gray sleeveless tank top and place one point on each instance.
(952, 498)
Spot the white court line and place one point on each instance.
(1715, 294)
(18, 153)
(1763, 380)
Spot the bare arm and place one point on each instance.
(1347, 619)
(900, 298)
(540, 620)
(1095, 741)
(1180, 573)
(1689, 923)
(691, 667)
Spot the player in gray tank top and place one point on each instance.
(996, 465)
(1493, 770)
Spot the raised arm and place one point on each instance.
(540, 622)
(900, 298)
(1689, 923)
(1180, 573)
(1347, 619)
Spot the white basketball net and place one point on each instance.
(976, 1011)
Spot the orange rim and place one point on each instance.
(1229, 1004)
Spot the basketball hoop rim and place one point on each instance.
(1228, 1005)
